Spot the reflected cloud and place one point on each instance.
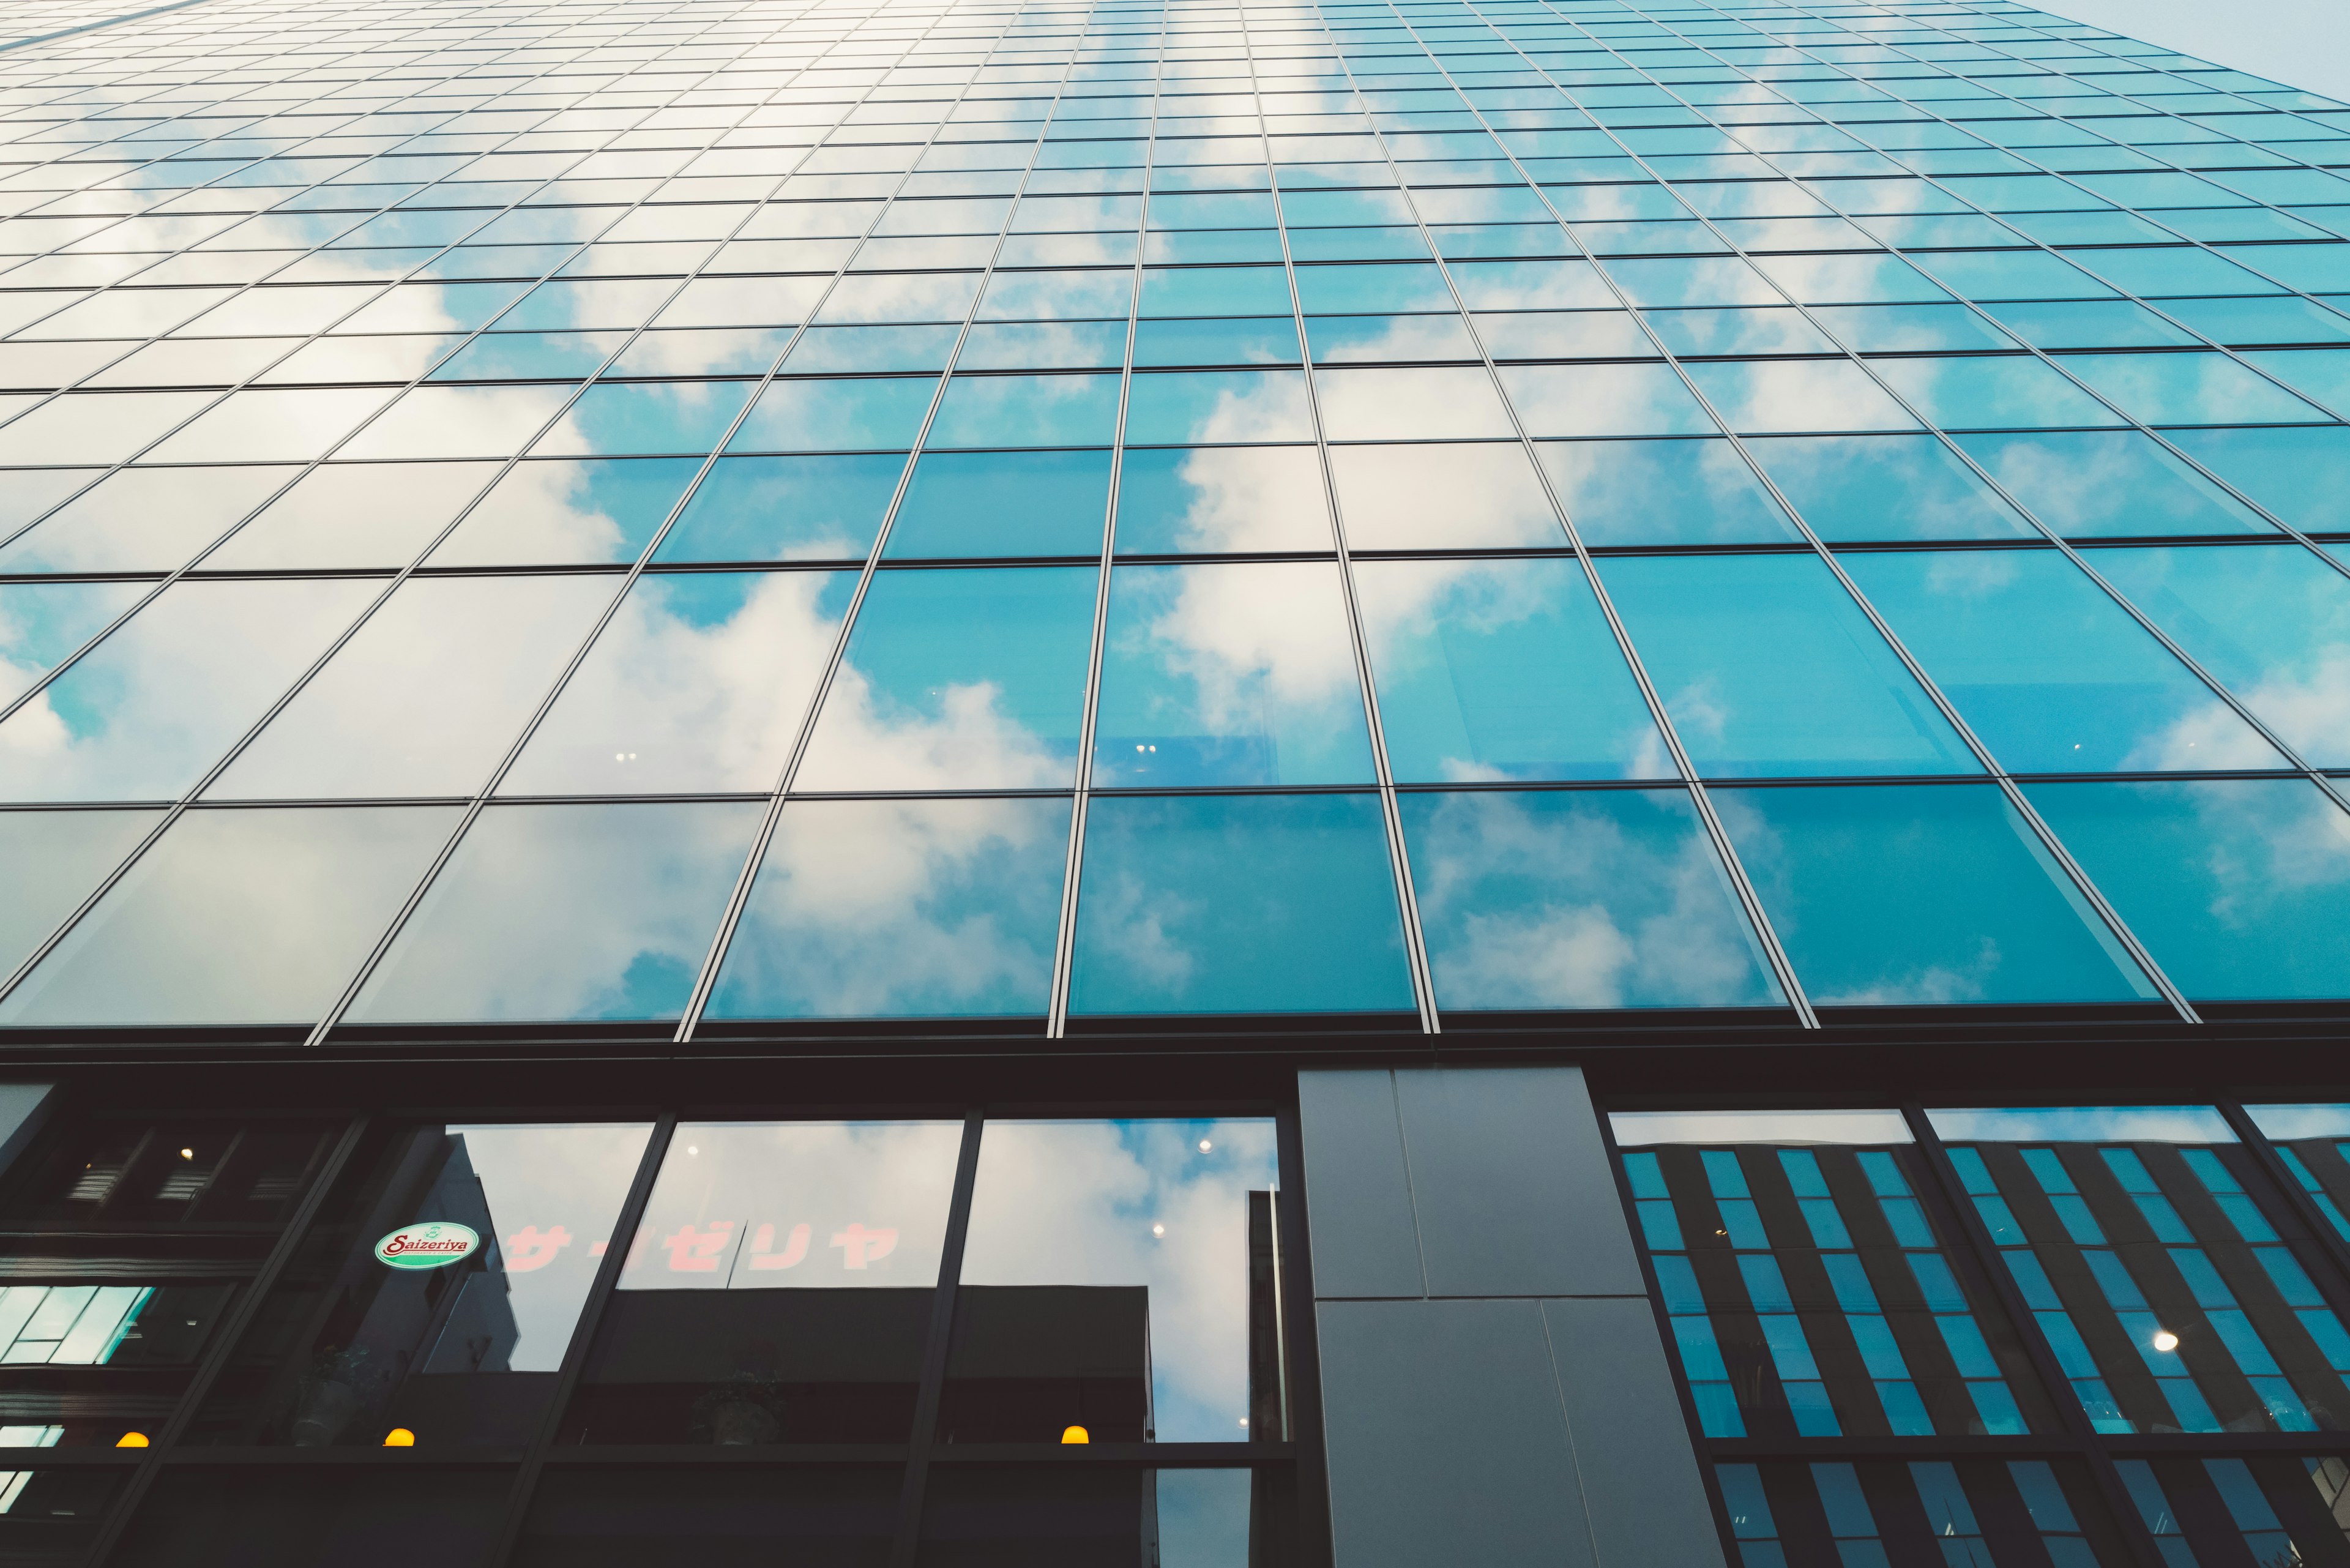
(1578, 899)
(141, 520)
(353, 515)
(1464, 496)
(1604, 400)
(901, 909)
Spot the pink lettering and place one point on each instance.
(530, 1247)
(696, 1251)
(859, 1246)
(763, 1245)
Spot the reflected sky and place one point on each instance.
(1410, 404)
(2271, 624)
(1221, 500)
(2095, 484)
(861, 415)
(2206, 388)
(2084, 1124)
(742, 1197)
(1183, 406)
(42, 623)
(784, 509)
(1003, 503)
(142, 714)
(646, 417)
(2088, 691)
(1992, 393)
(1229, 674)
(427, 695)
(549, 912)
(1259, 903)
(565, 512)
(141, 520)
(1664, 492)
(1838, 871)
(1160, 1204)
(901, 909)
(459, 422)
(1466, 495)
(353, 515)
(1864, 487)
(1604, 400)
(1502, 670)
(698, 683)
(1769, 670)
(968, 679)
(1579, 898)
(2301, 475)
(1027, 410)
(237, 916)
(2238, 888)
(54, 859)
(1774, 396)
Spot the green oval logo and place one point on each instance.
(434, 1244)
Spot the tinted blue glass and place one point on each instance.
(1769, 670)
(2301, 475)
(1027, 410)
(1185, 406)
(1663, 492)
(2091, 324)
(2108, 483)
(647, 417)
(1500, 669)
(562, 512)
(1231, 674)
(1564, 335)
(1357, 244)
(1656, 285)
(901, 909)
(41, 623)
(1221, 499)
(958, 680)
(1045, 346)
(1993, 393)
(1776, 395)
(2271, 624)
(2047, 670)
(2188, 390)
(2275, 318)
(1603, 401)
(1003, 503)
(1257, 903)
(1577, 898)
(529, 355)
(550, 912)
(1839, 870)
(1884, 487)
(871, 349)
(1215, 291)
(2321, 375)
(1218, 340)
(1918, 329)
(784, 509)
(1761, 330)
(1394, 340)
(837, 416)
(2238, 888)
(1347, 290)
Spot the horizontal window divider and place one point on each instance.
(647, 1456)
(419, 1457)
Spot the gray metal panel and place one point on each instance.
(1511, 1185)
(24, 1107)
(1357, 1193)
(1446, 1440)
(1632, 1448)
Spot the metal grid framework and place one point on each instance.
(1493, 137)
(458, 1480)
(2166, 1496)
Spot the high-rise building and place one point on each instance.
(1175, 784)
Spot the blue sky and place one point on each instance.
(2302, 43)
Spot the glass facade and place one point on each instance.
(705, 705)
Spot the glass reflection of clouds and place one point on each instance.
(1603, 401)
(565, 512)
(901, 909)
(698, 683)
(1253, 903)
(1838, 870)
(1464, 495)
(1675, 491)
(54, 859)
(547, 912)
(42, 623)
(1770, 396)
(2271, 624)
(1865, 487)
(860, 415)
(1502, 670)
(1163, 1205)
(1229, 674)
(1992, 393)
(965, 679)
(144, 713)
(2092, 484)
(2088, 691)
(1410, 404)
(1221, 500)
(236, 917)
(1579, 898)
(426, 696)
(2239, 888)
(141, 520)
(784, 509)
(353, 515)
(2083, 1124)
(1003, 503)
(1183, 407)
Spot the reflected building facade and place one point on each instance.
(1208, 784)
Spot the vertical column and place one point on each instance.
(1493, 1388)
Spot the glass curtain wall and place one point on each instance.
(2066, 1336)
(706, 517)
(853, 1342)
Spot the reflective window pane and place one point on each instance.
(1119, 1277)
(1663, 492)
(141, 520)
(41, 624)
(1884, 487)
(1471, 495)
(1217, 500)
(354, 516)
(1003, 503)
(1237, 904)
(2090, 484)
(784, 509)
(564, 512)
(56, 859)
(1577, 898)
